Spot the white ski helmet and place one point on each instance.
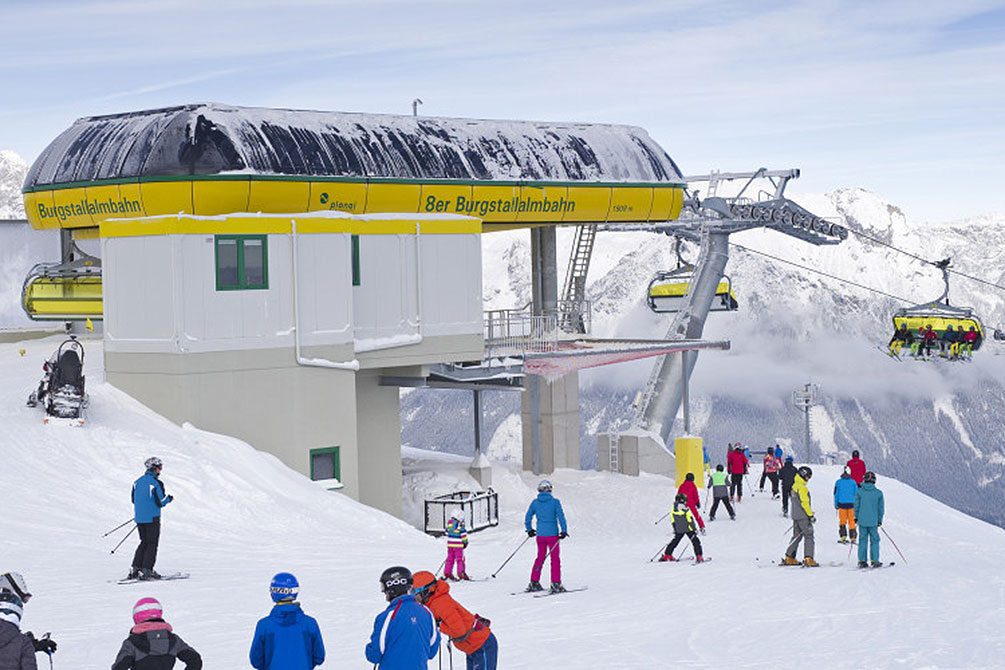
(457, 514)
(14, 583)
(153, 462)
(545, 485)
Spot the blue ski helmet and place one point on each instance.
(284, 586)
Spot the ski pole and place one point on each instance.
(117, 527)
(658, 553)
(749, 485)
(707, 491)
(441, 567)
(124, 539)
(441, 657)
(791, 526)
(893, 543)
(657, 522)
(686, 549)
(510, 557)
(450, 655)
(850, 545)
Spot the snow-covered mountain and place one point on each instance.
(935, 426)
(12, 172)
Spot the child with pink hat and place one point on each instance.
(152, 645)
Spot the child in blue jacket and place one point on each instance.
(287, 639)
(845, 489)
(405, 635)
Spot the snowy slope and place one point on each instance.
(795, 327)
(240, 516)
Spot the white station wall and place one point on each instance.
(160, 292)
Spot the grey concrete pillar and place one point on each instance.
(378, 440)
(556, 422)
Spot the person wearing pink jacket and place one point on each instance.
(772, 464)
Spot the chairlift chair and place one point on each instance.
(940, 315)
(667, 293)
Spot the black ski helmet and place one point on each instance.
(396, 581)
(681, 499)
(805, 472)
(869, 477)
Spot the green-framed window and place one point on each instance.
(355, 260)
(326, 463)
(242, 262)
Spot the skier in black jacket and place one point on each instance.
(13, 582)
(788, 476)
(151, 645)
(16, 649)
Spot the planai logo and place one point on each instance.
(324, 198)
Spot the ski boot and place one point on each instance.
(863, 564)
(808, 562)
(449, 577)
(149, 575)
(843, 540)
(853, 535)
(464, 577)
(789, 560)
(534, 586)
(698, 559)
(702, 531)
(556, 587)
(666, 558)
(876, 564)
(134, 573)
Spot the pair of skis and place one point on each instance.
(164, 578)
(547, 594)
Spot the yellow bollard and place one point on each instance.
(690, 458)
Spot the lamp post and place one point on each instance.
(415, 106)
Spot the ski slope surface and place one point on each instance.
(239, 516)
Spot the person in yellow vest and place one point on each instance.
(802, 521)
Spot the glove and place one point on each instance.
(44, 646)
(168, 499)
(531, 532)
(465, 544)
(879, 525)
(813, 519)
(562, 536)
(702, 531)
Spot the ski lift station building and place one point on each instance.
(262, 270)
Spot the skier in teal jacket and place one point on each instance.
(869, 510)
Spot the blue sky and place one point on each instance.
(904, 98)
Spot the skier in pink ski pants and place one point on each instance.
(457, 542)
(550, 517)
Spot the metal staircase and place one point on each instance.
(574, 292)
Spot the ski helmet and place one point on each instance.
(146, 609)
(805, 472)
(846, 471)
(543, 486)
(284, 586)
(869, 477)
(395, 581)
(789, 459)
(423, 583)
(457, 514)
(689, 476)
(11, 608)
(854, 454)
(153, 462)
(14, 582)
(681, 499)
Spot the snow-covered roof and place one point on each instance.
(211, 139)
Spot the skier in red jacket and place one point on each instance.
(690, 491)
(737, 463)
(857, 467)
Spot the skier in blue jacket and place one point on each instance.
(869, 510)
(845, 489)
(148, 498)
(405, 635)
(550, 516)
(287, 639)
